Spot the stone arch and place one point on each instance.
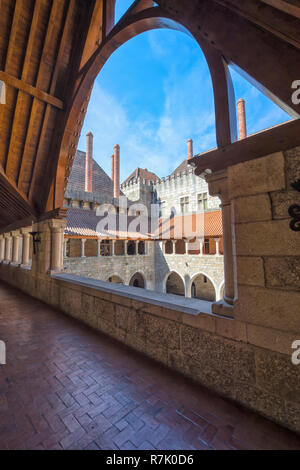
(138, 280)
(141, 247)
(137, 23)
(180, 247)
(203, 287)
(169, 247)
(115, 279)
(174, 284)
(131, 247)
(221, 290)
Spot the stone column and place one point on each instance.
(83, 241)
(113, 248)
(8, 243)
(186, 247)
(174, 246)
(125, 247)
(15, 246)
(2, 248)
(25, 246)
(217, 240)
(201, 241)
(99, 247)
(218, 186)
(57, 240)
(242, 119)
(65, 246)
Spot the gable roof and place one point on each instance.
(142, 173)
(102, 183)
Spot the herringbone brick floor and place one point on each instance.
(68, 387)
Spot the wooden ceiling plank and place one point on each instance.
(261, 13)
(13, 66)
(35, 186)
(47, 63)
(24, 101)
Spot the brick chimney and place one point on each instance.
(89, 163)
(112, 168)
(190, 149)
(242, 119)
(116, 171)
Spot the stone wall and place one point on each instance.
(169, 191)
(246, 358)
(188, 267)
(103, 267)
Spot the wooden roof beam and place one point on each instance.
(33, 91)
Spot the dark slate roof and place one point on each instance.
(102, 183)
(142, 173)
(182, 167)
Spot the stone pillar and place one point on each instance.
(242, 119)
(65, 246)
(25, 246)
(8, 244)
(15, 246)
(217, 240)
(112, 168)
(190, 149)
(201, 241)
(2, 248)
(218, 186)
(113, 248)
(125, 247)
(117, 171)
(99, 247)
(186, 247)
(174, 246)
(89, 163)
(57, 240)
(83, 241)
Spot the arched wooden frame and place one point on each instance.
(131, 25)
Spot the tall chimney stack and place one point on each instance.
(116, 171)
(89, 163)
(242, 119)
(112, 168)
(190, 149)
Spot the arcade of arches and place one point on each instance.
(240, 347)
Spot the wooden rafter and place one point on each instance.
(31, 90)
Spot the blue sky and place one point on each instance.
(155, 93)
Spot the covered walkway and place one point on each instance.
(68, 387)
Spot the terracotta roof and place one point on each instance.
(207, 224)
(102, 183)
(82, 222)
(142, 173)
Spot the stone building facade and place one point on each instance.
(179, 265)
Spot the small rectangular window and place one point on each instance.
(184, 204)
(202, 201)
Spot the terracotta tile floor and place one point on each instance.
(67, 387)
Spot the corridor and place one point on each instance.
(67, 387)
